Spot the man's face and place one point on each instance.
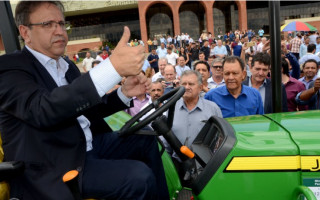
(310, 70)
(169, 51)
(162, 64)
(259, 71)
(219, 43)
(48, 41)
(156, 91)
(307, 40)
(233, 75)
(182, 62)
(318, 40)
(169, 74)
(192, 86)
(202, 57)
(162, 45)
(88, 55)
(203, 70)
(217, 69)
(153, 51)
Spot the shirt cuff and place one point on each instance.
(104, 77)
(124, 99)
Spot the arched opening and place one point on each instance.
(225, 17)
(159, 21)
(192, 19)
(258, 16)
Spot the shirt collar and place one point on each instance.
(147, 98)
(47, 61)
(210, 80)
(304, 79)
(225, 92)
(263, 84)
(182, 105)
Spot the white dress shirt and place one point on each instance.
(104, 77)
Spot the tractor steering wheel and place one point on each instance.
(172, 97)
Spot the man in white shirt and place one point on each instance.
(87, 62)
(260, 45)
(99, 58)
(171, 56)
(160, 74)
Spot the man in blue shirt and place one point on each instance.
(235, 99)
(153, 60)
(311, 96)
(162, 51)
(261, 32)
(220, 50)
(318, 45)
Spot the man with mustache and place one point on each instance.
(234, 98)
(310, 70)
(51, 117)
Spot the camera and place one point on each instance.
(250, 44)
(169, 84)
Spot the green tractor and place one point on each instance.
(274, 156)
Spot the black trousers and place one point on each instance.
(124, 168)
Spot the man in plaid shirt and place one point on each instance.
(295, 44)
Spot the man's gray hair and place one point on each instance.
(25, 8)
(217, 60)
(170, 65)
(190, 72)
(163, 58)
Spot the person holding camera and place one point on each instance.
(170, 76)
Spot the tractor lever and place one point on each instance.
(71, 180)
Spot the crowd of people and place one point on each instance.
(231, 76)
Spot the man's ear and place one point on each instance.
(244, 74)
(25, 33)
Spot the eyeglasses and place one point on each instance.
(52, 25)
(217, 66)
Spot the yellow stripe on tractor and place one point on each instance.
(274, 163)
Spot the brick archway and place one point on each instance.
(174, 6)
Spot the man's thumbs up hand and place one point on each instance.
(127, 60)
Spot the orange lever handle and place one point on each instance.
(70, 175)
(186, 151)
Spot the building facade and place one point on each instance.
(149, 19)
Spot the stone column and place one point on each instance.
(242, 13)
(142, 6)
(208, 7)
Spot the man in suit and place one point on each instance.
(52, 118)
(260, 67)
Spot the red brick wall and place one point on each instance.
(315, 24)
(72, 49)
